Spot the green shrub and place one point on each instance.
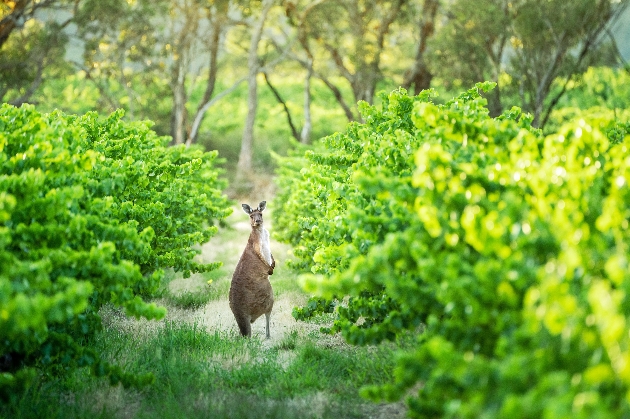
(598, 87)
(508, 248)
(91, 211)
(601, 94)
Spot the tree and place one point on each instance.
(148, 57)
(556, 38)
(198, 30)
(219, 22)
(184, 26)
(126, 57)
(32, 44)
(529, 42)
(349, 36)
(419, 77)
(253, 65)
(470, 47)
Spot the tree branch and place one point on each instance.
(194, 131)
(587, 46)
(32, 88)
(419, 75)
(275, 92)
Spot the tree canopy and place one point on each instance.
(152, 57)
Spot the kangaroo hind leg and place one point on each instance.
(267, 317)
(244, 326)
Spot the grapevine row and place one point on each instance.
(501, 250)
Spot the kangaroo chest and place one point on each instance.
(265, 251)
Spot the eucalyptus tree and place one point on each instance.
(470, 45)
(219, 22)
(350, 37)
(556, 38)
(125, 55)
(419, 76)
(154, 57)
(523, 45)
(198, 30)
(244, 166)
(32, 45)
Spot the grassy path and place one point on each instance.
(204, 369)
(215, 315)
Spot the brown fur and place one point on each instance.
(251, 294)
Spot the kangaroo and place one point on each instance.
(250, 292)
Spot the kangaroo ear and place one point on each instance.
(247, 208)
(262, 206)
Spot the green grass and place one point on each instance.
(214, 374)
(202, 292)
(202, 288)
(283, 281)
(219, 375)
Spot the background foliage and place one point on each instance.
(181, 63)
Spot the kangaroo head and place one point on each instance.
(255, 215)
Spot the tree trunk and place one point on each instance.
(178, 123)
(364, 84)
(419, 75)
(495, 107)
(213, 69)
(10, 21)
(303, 38)
(244, 166)
(181, 61)
(305, 135)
